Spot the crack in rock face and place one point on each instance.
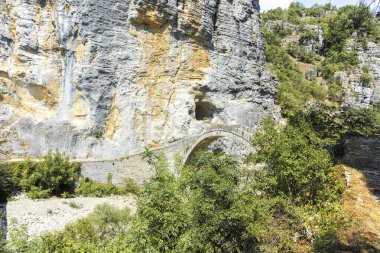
(104, 79)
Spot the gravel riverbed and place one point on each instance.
(41, 216)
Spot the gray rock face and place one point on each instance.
(103, 79)
(362, 152)
(361, 92)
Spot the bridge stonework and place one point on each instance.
(133, 166)
(238, 133)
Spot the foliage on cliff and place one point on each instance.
(289, 53)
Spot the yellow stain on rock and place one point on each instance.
(113, 120)
(163, 63)
(79, 53)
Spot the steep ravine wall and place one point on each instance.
(102, 79)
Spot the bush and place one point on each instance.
(226, 215)
(366, 80)
(274, 14)
(335, 92)
(7, 182)
(362, 122)
(89, 188)
(161, 217)
(297, 163)
(281, 31)
(338, 61)
(308, 35)
(52, 176)
(102, 231)
(302, 54)
(349, 19)
(97, 133)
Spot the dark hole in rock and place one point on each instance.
(204, 110)
(42, 3)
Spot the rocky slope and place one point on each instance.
(358, 93)
(102, 79)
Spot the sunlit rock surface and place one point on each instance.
(103, 79)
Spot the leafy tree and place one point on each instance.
(161, 216)
(218, 223)
(297, 163)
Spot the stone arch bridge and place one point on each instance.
(236, 139)
(241, 135)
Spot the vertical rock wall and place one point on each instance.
(102, 79)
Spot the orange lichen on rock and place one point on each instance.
(162, 65)
(113, 119)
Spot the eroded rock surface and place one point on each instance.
(102, 79)
(362, 91)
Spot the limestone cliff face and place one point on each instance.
(359, 93)
(102, 79)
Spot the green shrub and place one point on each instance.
(362, 122)
(130, 186)
(297, 163)
(90, 188)
(74, 205)
(274, 14)
(349, 19)
(7, 182)
(308, 35)
(302, 54)
(37, 193)
(161, 217)
(52, 176)
(281, 31)
(335, 92)
(319, 10)
(366, 80)
(338, 61)
(102, 231)
(295, 11)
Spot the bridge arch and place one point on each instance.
(238, 133)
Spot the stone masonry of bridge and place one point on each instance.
(236, 138)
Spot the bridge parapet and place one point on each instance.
(214, 132)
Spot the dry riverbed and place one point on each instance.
(41, 216)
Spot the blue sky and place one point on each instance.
(270, 4)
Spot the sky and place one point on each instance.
(270, 4)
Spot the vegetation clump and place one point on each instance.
(89, 188)
(53, 176)
(216, 206)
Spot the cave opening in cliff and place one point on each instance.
(42, 3)
(204, 110)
